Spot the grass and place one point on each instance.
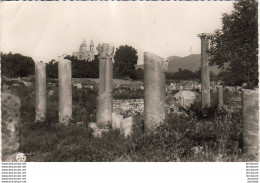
(202, 135)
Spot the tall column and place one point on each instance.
(220, 96)
(109, 76)
(205, 80)
(250, 112)
(40, 91)
(65, 91)
(105, 98)
(101, 76)
(10, 126)
(154, 93)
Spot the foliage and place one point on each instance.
(16, 65)
(52, 69)
(234, 48)
(125, 61)
(128, 94)
(183, 75)
(178, 139)
(80, 68)
(139, 74)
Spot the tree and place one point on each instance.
(80, 68)
(184, 74)
(139, 74)
(52, 69)
(125, 61)
(234, 48)
(83, 68)
(16, 65)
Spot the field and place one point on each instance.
(201, 135)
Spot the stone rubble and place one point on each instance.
(185, 99)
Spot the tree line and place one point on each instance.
(16, 65)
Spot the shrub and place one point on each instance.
(129, 94)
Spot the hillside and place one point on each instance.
(191, 62)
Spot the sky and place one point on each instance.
(46, 30)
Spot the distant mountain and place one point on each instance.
(191, 62)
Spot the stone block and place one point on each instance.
(126, 126)
(116, 119)
(97, 132)
(184, 99)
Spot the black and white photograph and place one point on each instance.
(115, 81)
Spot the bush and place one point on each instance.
(16, 65)
(128, 94)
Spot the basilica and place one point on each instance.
(84, 53)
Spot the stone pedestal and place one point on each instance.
(65, 91)
(10, 126)
(205, 80)
(220, 96)
(105, 98)
(154, 94)
(104, 109)
(40, 91)
(250, 112)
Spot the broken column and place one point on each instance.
(220, 96)
(154, 83)
(65, 91)
(105, 98)
(205, 80)
(250, 112)
(10, 126)
(40, 91)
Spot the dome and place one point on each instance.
(83, 45)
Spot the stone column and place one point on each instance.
(40, 91)
(101, 76)
(220, 96)
(105, 98)
(65, 91)
(250, 112)
(109, 76)
(154, 93)
(10, 126)
(205, 80)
